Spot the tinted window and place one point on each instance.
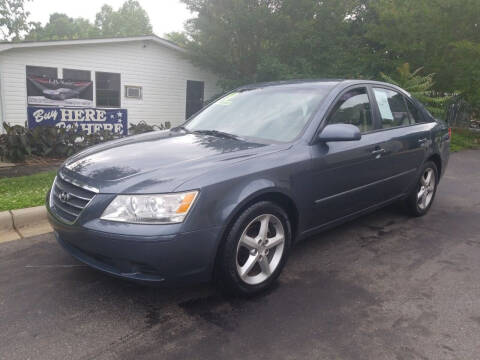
(107, 89)
(393, 110)
(415, 113)
(275, 113)
(353, 108)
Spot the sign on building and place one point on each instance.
(69, 104)
(59, 92)
(90, 120)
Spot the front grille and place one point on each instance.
(68, 199)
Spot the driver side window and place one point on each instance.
(353, 108)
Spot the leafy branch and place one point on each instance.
(420, 87)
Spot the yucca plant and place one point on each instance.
(420, 87)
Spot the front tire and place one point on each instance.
(421, 198)
(255, 249)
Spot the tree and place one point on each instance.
(260, 40)
(420, 87)
(130, 20)
(62, 27)
(179, 38)
(423, 33)
(228, 36)
(13, 19)
(464, 62)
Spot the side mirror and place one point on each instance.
(339, 132)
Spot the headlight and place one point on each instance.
(150, 209)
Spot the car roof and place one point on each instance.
(343, 83)
(307, 82)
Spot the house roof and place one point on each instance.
(4, 46)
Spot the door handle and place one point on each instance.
(422, 140)
(378, 151)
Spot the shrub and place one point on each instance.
(143, 127)
(19, 142)
(14, 144)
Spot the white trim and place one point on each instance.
(33, 44)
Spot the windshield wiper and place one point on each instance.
(218, 133)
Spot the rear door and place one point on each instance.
(402, 139)
(347, 175)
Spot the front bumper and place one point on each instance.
(153, 258)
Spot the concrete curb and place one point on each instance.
(22, 223)
(7, 231)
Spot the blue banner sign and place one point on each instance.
(90, 120)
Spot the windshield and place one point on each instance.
(274, 113)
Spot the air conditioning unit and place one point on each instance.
(133, 92)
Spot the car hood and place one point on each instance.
(157, 161)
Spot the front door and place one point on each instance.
(195, 91)
(348, 175)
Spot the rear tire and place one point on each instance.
(255, 250)
(421, 198)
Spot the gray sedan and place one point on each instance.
(227, 195)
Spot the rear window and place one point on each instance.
(425, 115)
(415, 113)
(392, 107)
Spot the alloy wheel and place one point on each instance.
(427, 189)
(260, 249)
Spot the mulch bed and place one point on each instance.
(31, 166)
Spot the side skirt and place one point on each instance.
(331, 224)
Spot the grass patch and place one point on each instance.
(25, 191)
(464, 139)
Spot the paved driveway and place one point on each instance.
(382, 287)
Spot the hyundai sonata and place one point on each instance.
(226, 195)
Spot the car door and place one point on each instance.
(347, 175)
(421, 131)
(404, 142)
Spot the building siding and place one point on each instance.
(161, 72)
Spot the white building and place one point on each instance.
(142, 78)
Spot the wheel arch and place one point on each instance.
(437, 160)
(274, 195)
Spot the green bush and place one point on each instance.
(464, 139)
(143, 127)
(19, 142)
